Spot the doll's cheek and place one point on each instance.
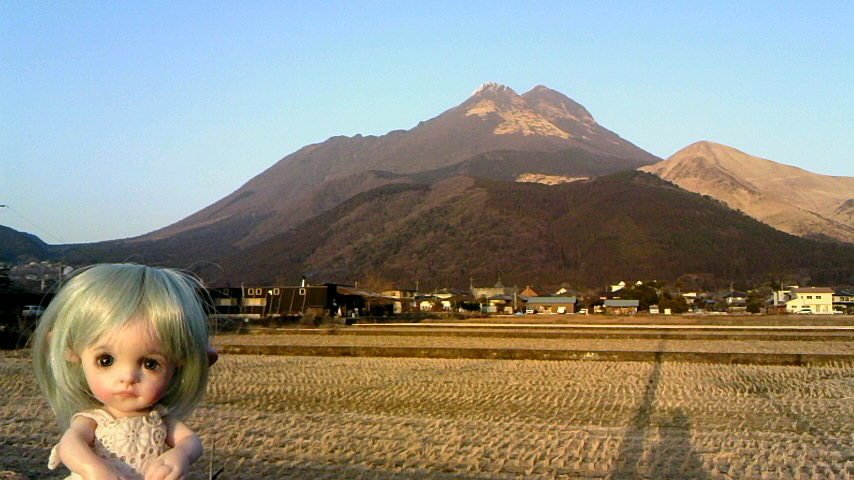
(99, 392)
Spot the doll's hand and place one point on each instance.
(172, 465)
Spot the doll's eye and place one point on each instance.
(150, 364)
(104, 360)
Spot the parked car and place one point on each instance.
(32, 311)
(529, 311)
(804, 311)
(583, 311)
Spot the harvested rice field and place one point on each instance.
(752, 345)
(398, 418)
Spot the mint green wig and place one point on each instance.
(102, 298)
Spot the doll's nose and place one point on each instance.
(128, 376)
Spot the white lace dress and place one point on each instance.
(127, 444)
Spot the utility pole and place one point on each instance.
(514, 298)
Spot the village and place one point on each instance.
(350, 301)
(355, 301)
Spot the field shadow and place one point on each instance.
(672, 457)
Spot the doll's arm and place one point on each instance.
(75, 451)
(174, 464)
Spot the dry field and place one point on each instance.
(393, 418)
(426, 340)
(684, 319)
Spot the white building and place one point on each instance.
(817, 299)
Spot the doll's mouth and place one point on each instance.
(126, 394)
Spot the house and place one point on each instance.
(225, 301)
(843, 301)
(529, 292)
(689, 296)
(452, 298)
(486, 292)
(405, 298)
(325, 299)
(565, 291)
(428, 303)
(552, 304)
(621, 307)
(278, 301)
(621, 285)
(779, 299)
(735, 299)
(817, 300)
(446, 299)
(502, 304)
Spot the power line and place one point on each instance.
(33, 224)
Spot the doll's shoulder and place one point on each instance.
(99, 416)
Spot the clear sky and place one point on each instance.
(118, 118)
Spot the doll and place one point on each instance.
(122, 355)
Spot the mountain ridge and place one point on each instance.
(509, 185)
(788, 198)
(495, 118)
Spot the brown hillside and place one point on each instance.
(785, 197)
(629, 225)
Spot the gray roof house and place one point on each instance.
(621, 307)
(552, 304)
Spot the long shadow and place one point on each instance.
(633, 441)
(673, 457)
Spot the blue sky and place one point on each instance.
(118, 118)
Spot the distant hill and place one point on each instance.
(785, 197)
(627, 225)
(19, 247)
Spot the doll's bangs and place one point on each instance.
(170, 303)
(93, 303)
(106, 299)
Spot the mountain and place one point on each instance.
(787, 198)
(625, 225)
(17, 247)
(494, 121)
(526, 187)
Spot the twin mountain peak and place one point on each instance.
(494, 125)
(460, 196)
(496, 134)
(541, 111)
(456, 197)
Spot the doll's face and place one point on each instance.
(127, 370)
